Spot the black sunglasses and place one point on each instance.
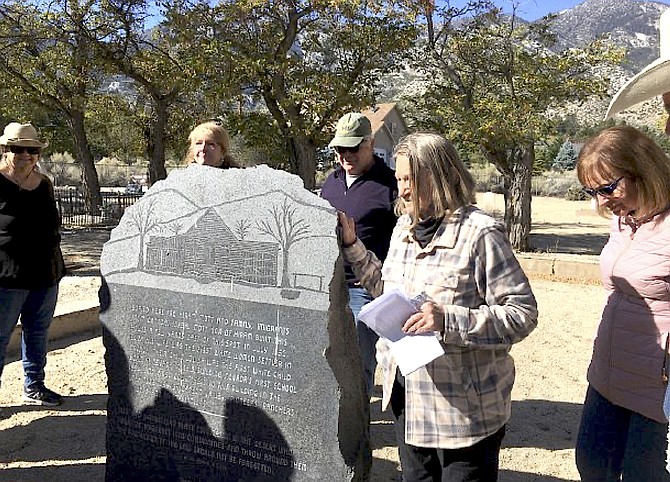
(22, 149)
(604, 190)
(341, 150)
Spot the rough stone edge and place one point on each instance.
(343, 357)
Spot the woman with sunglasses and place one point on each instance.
(623, 431)
(31, 263)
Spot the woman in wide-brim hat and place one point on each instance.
(31, 262)
(21, 148)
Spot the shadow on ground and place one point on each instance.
(75, 472)
(558, 238)
(539, 424)
(59, 446)
(543, 424)
(82, 248)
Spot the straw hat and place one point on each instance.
(653, 80)
(16, 134)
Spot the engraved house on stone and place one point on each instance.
(209, 251)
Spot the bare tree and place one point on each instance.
(286, 230)
(141, 215)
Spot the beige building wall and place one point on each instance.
(388, 127)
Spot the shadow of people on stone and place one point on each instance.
(172, 441)
(343, 357)
(164, 439)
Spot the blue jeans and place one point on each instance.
(36, 308)
(615, 443)
(367, 338)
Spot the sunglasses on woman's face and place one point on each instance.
(22, 149)
(605, 191)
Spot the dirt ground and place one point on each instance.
(68, 442)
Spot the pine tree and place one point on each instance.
(566, 159)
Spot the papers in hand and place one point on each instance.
(386, 315)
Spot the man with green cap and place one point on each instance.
(364, 188)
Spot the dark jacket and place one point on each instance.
(369, 201)
(30, 255)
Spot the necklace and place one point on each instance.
(18, 182)
(634, 223)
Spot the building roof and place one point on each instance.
(378, 113)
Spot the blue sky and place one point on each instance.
(534, 9)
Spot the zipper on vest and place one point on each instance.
(664, 368)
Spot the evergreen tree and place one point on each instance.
(566, 159)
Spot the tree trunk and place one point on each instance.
(303, 159)
(285, 277)
(156, 141)
(518, 199)
(91, 185)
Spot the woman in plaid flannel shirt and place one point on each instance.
(450, 415)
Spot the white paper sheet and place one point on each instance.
(386, 316)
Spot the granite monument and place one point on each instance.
(230, 351)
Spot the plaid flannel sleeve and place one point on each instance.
(366, 266)
(509, 313)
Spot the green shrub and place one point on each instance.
(576, 193)
(487, 178)
(555, 184)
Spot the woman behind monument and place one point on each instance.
(209, 145)
(450, 414)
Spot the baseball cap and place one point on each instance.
(351, 129)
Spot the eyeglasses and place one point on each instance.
(604, 190)
(341, 150)
(22, 149)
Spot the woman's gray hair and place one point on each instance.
(435, 168)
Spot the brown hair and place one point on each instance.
(220, 136)
(449, 183)
(623, 151)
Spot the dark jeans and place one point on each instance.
(478, 462)
(616, 444)
(36, 308)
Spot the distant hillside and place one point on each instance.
(630, 24)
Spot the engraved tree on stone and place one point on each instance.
(141, 217)
(286, 230)
(175, 228)
(242, 227)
